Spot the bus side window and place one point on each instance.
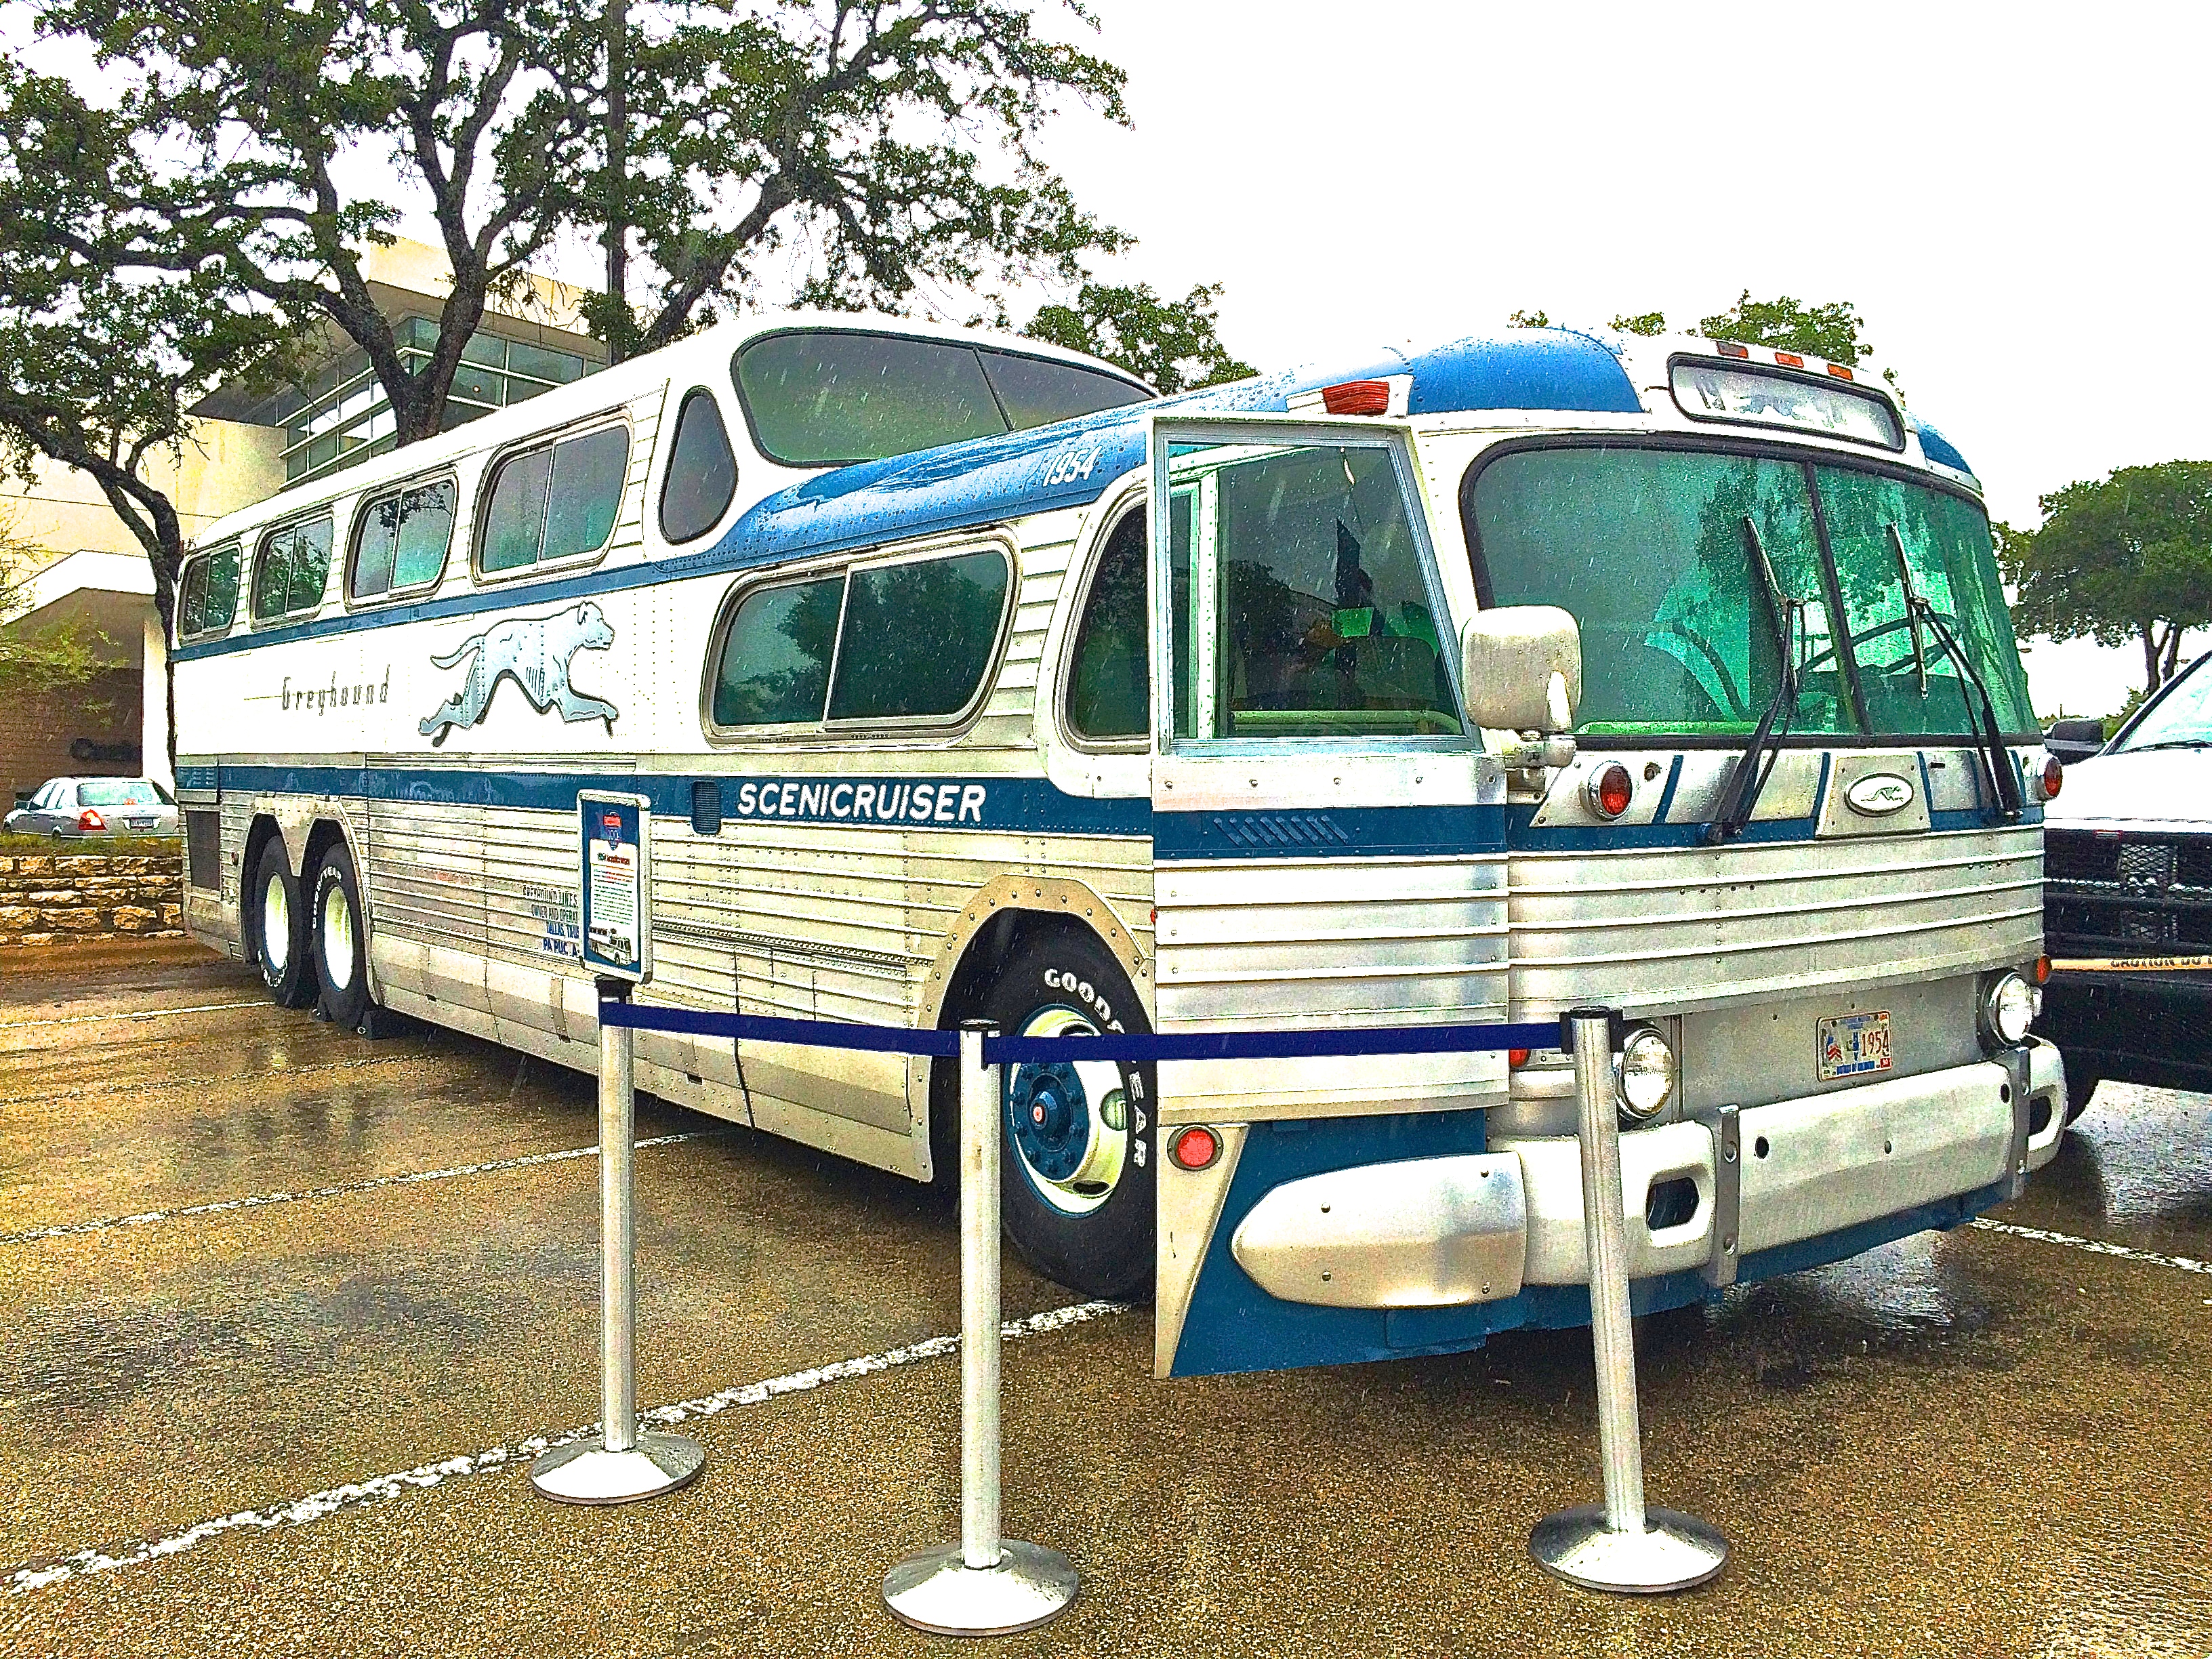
(402, 539)
(918, 637)
(191, 599)
(702, 472)
(773, 666)
(294, 564)
(1108, 679)
(558, 502)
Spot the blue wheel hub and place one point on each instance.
(1051, 1118)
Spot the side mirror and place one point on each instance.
(2074, 740)
(1522, 668)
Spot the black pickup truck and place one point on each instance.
(2127, 882)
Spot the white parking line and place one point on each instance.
(2094, 1246)
(149, 1218)
(298, 1511)
(143, 1014)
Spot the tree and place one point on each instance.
(2122, 558)
(31, 660)
(1828, 331)
(1173, 344)
(881, 146)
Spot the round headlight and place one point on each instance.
(1646, 1075)
(2008, 1008)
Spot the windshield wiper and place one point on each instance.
(1741, 795)
(1911, 609)
(1989, 730)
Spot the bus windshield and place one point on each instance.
(1663, 557)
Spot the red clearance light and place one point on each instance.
(1789, 359)
(1517, 1058)
(2042, 971)
(1730, 349)
(90, 822)
(1839, 370)
(1195, 1148)
(2054, 777)
(1356, 398)
(1610, 790)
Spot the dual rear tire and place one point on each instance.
(311, 945)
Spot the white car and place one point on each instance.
(72, 809)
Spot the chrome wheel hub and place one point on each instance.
(276, 925)
(337, 939)
(1068, 1122)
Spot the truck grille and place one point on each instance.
(2119, 888)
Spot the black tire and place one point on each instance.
(291, 977)
(2080, 1087)
(340, 942)
(1094, 1237)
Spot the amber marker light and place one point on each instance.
(1610, 789)
(2054, 776)
(1195, 1148)
(2042, 971)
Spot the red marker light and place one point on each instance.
(1517, 1058)
(2042, 971)
(1610, 790)
(1789, 359)
(1195, 1148)
(1356, 398)
(1730, 349)
(1839, 370)
(90, 822)
(2054, 775)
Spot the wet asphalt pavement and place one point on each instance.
(1982, 1442)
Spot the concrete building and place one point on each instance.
(85, 568)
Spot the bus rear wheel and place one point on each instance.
(277, 929)
(1077, 1140)
(340, 942)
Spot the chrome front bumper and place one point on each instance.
(1447, 1232)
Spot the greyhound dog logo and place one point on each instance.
(533, 651)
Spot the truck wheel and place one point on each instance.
(277, 932)
(340, 942)
(1077, 1140)
(2080, 1087)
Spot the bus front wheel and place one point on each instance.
(1077, 1138)
(277, 929)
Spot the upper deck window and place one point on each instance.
(1708, 391)
(291, 569)
(557, 501)
(207, 600)
(702, 473)
(832, 397)
(401, 540)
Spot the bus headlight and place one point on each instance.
(1645, 1073)
(2008, 1010)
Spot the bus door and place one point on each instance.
(1328, 836)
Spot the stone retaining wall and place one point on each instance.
(63, 898)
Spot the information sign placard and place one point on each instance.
(615, 902)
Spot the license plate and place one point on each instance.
(138, 824)
(1854, 1045)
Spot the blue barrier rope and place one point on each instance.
(1134, 1046)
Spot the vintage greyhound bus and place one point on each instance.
(968, 679)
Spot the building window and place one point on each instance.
(344, 415)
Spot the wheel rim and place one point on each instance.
(337, 939)
(1068, 1122)
(276, 924)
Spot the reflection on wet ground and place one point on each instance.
(1961, 1443)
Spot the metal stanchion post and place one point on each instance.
(1622, 1544)
(985, 1584)
(617, 1465)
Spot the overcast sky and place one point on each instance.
(2016, 198)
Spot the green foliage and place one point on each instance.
(1529, 320)
(2127, 557)
(1830, 330)
(1650, 323)
(1173, 344)
(61, 655)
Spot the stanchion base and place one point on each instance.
(938, 1592)
(1674, 1552)
(586, 1472)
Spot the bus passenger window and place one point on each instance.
(403, 539)
(1311, 613)
(556, 502)
(192, 601)
(1108, 680)
(294, 562)
(918, 637)
(702, 473)
(774, 667)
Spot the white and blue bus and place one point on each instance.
(968, 679)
